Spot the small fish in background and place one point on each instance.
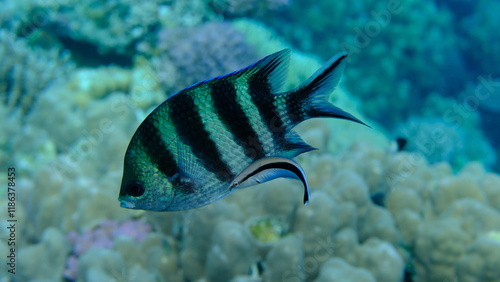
(378, 198)
(226, 133)
(397, 145)
(401, 142)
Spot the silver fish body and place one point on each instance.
(193, 148)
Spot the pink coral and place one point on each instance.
(102, 236)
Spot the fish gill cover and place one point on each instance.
(78, 77)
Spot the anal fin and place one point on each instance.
(294, 145)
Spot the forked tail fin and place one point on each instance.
(310, 100)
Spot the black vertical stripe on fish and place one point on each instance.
(191, 130)
(295, 106)
(232, 115)
(260, 91)
(156, 149)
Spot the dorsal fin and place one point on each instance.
(311, 98)
(270, 70)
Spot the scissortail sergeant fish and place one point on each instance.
(226, 133)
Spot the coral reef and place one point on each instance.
(480, 260)
(340, 233)
(190, 55)
(336, 269)
(438, 140)
(246, 8)
(50, 254)
(231, 252)
(452, 213)
(112, 26)
(267, 229)
(283, 261)
(103, 236)
(67, 125)
(26, 71)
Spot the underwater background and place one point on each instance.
(78, 77)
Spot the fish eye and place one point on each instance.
(135, 189)
(235, 184)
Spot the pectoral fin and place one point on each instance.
(270, 168)
(191, 174)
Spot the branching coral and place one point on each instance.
(112, 26)
(25, 71)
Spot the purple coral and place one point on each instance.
(195, 54)
(102, 236)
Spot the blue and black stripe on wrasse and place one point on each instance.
(226, 133)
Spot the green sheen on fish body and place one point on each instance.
(226, 133)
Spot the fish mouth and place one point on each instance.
(127, 205)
